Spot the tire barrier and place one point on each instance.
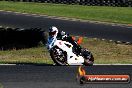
(117, 3)
(15, 38)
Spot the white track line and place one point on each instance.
(71, 65)
(6, 64)
(112, 64)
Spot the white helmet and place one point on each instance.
(53, 31)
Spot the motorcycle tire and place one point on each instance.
(89, 62)
(56, 58)
(88, 57)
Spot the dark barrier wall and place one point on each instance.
(121, 3)
(21, 38)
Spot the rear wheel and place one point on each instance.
(58, 56)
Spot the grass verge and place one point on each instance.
(38, 55)
(1, 86)
(104, 52)
(94, 13)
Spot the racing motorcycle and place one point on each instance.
(62, 53)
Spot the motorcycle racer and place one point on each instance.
(55, 34)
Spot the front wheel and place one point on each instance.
(89, 61)
(88, 57)
(58, 56)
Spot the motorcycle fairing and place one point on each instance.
(72, 59)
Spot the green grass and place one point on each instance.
(109, 52)
(38, 55)
(104, 52)
(94, 13)
(1, 86)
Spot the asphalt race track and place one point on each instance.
(31, 76)
(106, 31)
